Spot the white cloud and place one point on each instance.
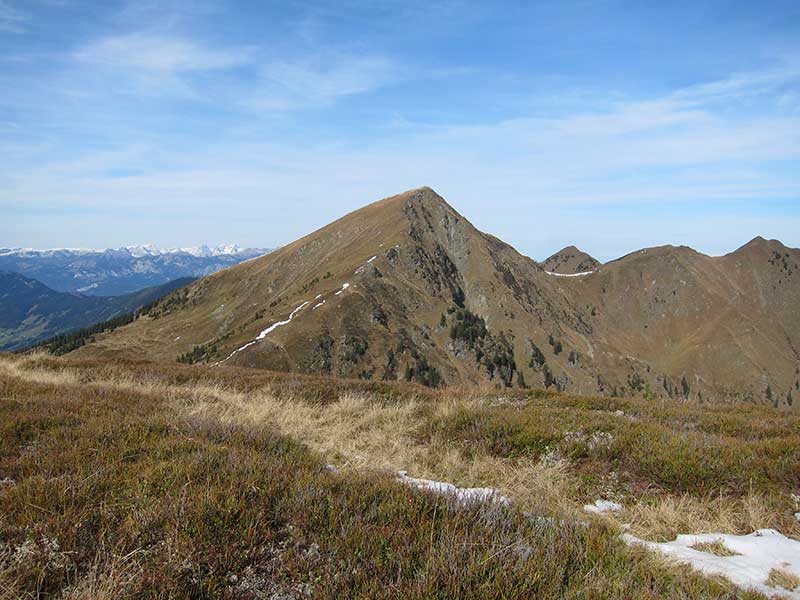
(699, 145)
(159, 54)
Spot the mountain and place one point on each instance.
(120, 271)
(31, 312)
(407, 288)
(569, 261)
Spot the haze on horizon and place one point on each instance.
(608, 125)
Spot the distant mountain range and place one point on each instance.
(406, 288)
(125, 270)
(31, 312)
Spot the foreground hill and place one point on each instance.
(119, 271)
(142, 480)
(569, 261)
(406, 288)
(31, 312)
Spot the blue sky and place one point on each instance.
(610, 125)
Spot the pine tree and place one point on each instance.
(685, 387)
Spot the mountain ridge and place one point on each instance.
(407, 288)
(115, 272)
(31, 312)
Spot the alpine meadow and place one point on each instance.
(377, 392)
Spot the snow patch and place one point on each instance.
(344, 287)
(582, 274)
(277, 324)
(601, 506)
(265, 333)
(757, 554)
(317, 305)
(462, 495)
(373, 258)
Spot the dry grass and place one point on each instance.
(549, 453)
(147, 489)
(716, 547)
(664, 517)
(779, 578)
(472, 438)
(355, 432)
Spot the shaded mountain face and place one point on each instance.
(406, 288)
(570, 260)
(119, 271)
(31, 312)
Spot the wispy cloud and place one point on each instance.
(175, 112)
(160, 54)
(318, 81)
(11, 20)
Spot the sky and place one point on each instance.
(606, 124)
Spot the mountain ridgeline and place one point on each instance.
(407, 289)
(31, 312)
(119, 271)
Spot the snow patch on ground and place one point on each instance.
(344, 287)
(582, 274)
(757, 554)
(462, 495)
(277, 324)
(317, 305)
(601, 506)
(373, 258)
(265, 332)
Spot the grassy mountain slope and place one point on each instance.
(406, 288)
(570, 260)
(30, 311)
(726, 325)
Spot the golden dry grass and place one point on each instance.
(716, 547)
(357, 431)
(784, 579)
(129, 485)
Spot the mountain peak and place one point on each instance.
(570, 260)
(759, 245)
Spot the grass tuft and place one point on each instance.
(784, 579)
(716, 547)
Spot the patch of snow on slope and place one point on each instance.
(277, 324)
(265, 333)
(317, 305)
(757, 554)
(344, 287)
(373, 258)
(462, 495)
(582, 274)
(601, 506)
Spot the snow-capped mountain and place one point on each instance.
(122, 270)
